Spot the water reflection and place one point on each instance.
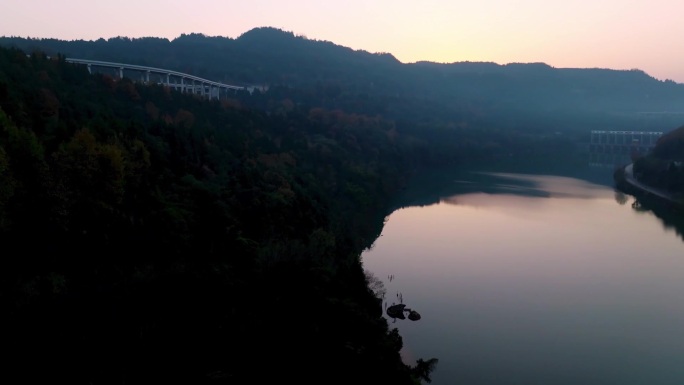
(545, 186)
(435, 186)
(608, 161)
(536, 278)
(620, 197)
(670, 218)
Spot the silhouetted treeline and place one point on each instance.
(533, 98)
(663, 167)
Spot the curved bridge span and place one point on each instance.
(177, 80)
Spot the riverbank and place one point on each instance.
(627, 182)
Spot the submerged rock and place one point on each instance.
(413, 315)
(396, 311)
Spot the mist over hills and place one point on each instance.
(521, 96)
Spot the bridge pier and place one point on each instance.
(615, 141)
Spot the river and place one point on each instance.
(534, 276)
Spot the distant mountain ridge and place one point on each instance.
(515, 94)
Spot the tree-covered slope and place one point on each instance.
(154, 237)
(663, 167)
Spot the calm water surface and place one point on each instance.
(531, 279)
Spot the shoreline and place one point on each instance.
(627, 182)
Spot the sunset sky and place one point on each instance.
(617, 34)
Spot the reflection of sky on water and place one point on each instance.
(530, 185)
(557, 186)
(433, 186)
(535, 279)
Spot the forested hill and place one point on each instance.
(663, 167)
(154, 237)
(517, 96)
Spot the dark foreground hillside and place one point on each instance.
(150, 237)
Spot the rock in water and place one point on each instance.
(396, 311)
(413, 315)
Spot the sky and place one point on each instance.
(618, 34)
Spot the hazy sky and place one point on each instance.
(618, 34)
